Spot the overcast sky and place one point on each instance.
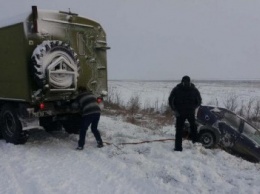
(166, 39)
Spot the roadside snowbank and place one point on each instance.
(49, 163)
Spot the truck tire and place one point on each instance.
(49, 125)
(72, 124)
(11, 126)
(62, 56)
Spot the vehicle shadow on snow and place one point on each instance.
(38, 135)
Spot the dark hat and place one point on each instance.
(185, 79)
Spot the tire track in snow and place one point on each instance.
(105, 175)
(11, 179)
(111, 173)
(19, 184)
(104, 172)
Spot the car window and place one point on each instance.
(218, 114)
(232, 120)
(251, 132)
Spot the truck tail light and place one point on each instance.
(42, 106)
(99, 100)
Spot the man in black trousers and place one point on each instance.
(90, 111)
(183, 100)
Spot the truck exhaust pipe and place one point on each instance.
(34, 18)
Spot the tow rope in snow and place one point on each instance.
(141, 142)
(147, 141)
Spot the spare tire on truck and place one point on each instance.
(55, 63)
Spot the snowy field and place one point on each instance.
(48, 163)
(212, 92)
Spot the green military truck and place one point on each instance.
(45, 56)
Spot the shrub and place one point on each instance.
(157, 115)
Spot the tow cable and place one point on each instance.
(186, 136)
(141, 142)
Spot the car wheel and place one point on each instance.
(207, 138)
(60, 59)
(11, 126)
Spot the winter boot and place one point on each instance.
(79, 148)
(178, 149)
(100, 144)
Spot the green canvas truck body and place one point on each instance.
(45, 56)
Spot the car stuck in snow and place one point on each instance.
(221, 127)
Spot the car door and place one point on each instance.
(248, 142)
(251, 137)
(229, 127)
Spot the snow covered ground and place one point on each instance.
(48, 163)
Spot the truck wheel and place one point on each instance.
(72, 124)
(207, 138)
(1, 136)
(58, 57)
(55, 126)
(49, 125)
(11, 126)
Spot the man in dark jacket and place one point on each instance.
(90, 111)
(183, 100)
